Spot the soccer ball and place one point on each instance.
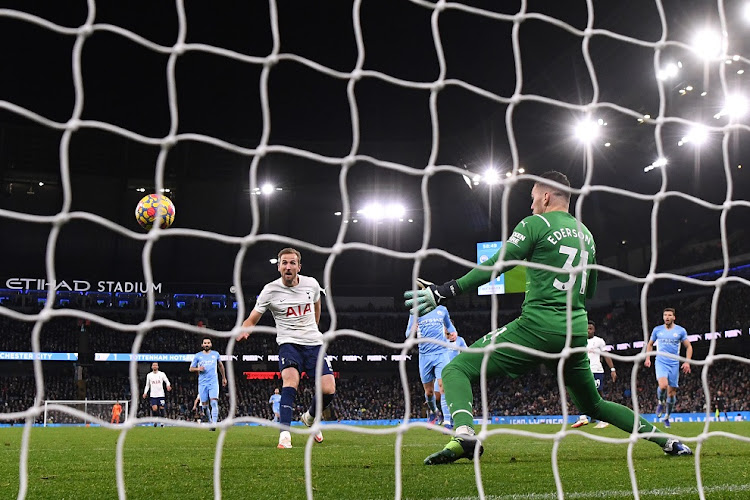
(152, 205)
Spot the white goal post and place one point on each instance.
(82, 410)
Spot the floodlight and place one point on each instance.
(707, 44)
(735, 106)
(267, 188)
(669, 71)
(337, 213)
(371, 211)
(273, 261)
(697, 135)
(394, 211)
(658, 163)
(491, 176)
(587, 131)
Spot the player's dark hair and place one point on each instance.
(670, 309)
(592, 323)
(207, 338)
(559, 178)
(290, 250)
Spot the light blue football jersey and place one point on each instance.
(668, 340)
(432, 325)
(210, 361)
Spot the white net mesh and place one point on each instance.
(660, 126)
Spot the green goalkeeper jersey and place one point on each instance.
(556, 239)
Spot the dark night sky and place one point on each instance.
(125, 84)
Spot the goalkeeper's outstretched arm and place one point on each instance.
(430, 295)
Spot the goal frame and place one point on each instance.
(53, 403)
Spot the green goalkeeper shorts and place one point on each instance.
(508, 361)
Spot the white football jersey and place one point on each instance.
(293, 309)
(155, 381)
(595, 348)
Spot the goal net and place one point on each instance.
(77, 412)
(413, 99)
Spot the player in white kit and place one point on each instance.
(596, 347)
(294, 302)
(155, 381)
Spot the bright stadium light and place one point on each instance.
(394, 211)
(267, 188)
(735, 106)
(587, 131)
(658, 163)
(378, 211)
(669, 71)
(491, 176)
(707, 44)
(697, 135)
(273, 261)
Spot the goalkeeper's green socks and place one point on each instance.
(622, 417)
(457, 391)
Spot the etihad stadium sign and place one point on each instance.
(80, 285)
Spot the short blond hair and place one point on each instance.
(290, 250)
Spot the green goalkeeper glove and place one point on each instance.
(430, 295)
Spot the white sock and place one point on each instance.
(465, 429)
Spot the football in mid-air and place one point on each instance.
(154, 206)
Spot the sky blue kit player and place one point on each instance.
(275, 403)
(432, 357)
(457, 340)
(207, 364)
(668, 338)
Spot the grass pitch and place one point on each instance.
(174, 462)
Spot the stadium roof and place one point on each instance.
(124, 82)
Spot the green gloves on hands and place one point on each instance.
(430, 295)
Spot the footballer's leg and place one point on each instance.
(457, 378)
(673, 383)
(580, 384)
(442, 362)
(154, 411)
(289, 362)
(327, 387)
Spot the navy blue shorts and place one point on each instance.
(157, 402)
(599, 380)
(303, 358)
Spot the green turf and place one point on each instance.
(173, 462)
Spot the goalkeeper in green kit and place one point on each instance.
(553, 237)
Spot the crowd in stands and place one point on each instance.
(383, 397)
(360, 396)
(618, 323)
